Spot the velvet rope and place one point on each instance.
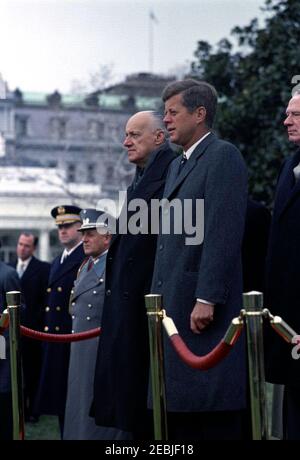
(201, 362)
(60, 338)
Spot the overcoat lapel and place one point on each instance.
(287, 189)
(59, 270)
(85, 283)
(175, 179)
(146, 188)
(30, 270)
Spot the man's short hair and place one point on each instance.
(35, 238)
(194, 94)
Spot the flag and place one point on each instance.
(153, 17)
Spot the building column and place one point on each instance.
(44, 245)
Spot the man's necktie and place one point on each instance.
(182, 162)
(90, 264)
(64, 258)
(21, 270)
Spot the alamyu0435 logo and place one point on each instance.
(296, 348)
(296, 88)
(2, 347)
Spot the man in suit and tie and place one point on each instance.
(203, 290)
(33, 274)
(283, 274)
(51, 395)
(9, 281)
(121, 376)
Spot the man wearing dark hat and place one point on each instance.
(86, 304)
(51, 395)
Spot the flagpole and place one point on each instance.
(150, 43)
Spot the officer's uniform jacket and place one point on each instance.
(87, 296)
(86, 304)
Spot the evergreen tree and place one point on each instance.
(254, 83)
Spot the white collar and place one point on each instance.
(24, 263)
(189, 151)
(67, 253)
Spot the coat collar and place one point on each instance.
(287, 190)
(151, 181)
(87, 281)
(31, 269)
(175, 179)
(59, 270)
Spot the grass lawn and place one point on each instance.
(46, 428)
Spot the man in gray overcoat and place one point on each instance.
(86, 303)
(202, 291)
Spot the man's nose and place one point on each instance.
(166, 119)
(288, 120)
(127, 141)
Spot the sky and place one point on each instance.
(45, 45)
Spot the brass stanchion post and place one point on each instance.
(13, 300)
(253, 305)
(155, 316)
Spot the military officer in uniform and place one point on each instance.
(51, 395)
(86, 304)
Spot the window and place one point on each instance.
(71, 172)
(91, 173)
(95, 129)
(21, 126)
(109, 172)
(58, 128)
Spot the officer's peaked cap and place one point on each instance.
(66, 214)
(93, 218)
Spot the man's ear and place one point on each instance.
(201, 114)
(159, 136)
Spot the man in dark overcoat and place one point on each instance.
(283, 274)
(202, 291)
(33, 274)
(9, 281)
(255, 246)
(51, 396)
(121, 376)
